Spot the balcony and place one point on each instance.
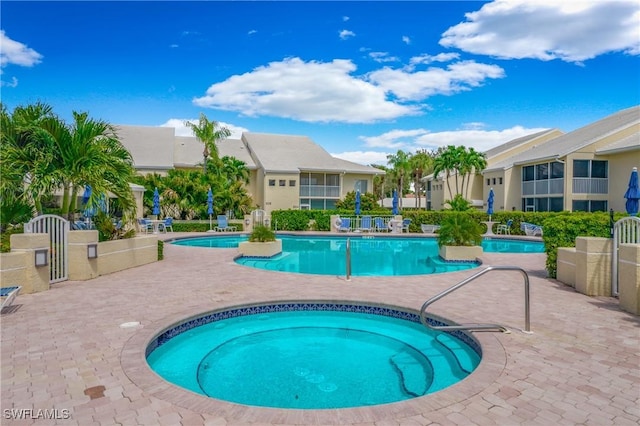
(543, 187)
(590, 185)
(320, 191)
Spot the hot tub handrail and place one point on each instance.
(527, 327)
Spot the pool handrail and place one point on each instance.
(497, 327)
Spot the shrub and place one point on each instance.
(459, 229)
(262, 234)
(160, 249)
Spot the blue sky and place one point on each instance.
(362, 79)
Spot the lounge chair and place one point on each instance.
(8, 294)
(505, 228)
(429, 229)
(223, 224)
(405, 225)
(531, 229)
(365, 224)
(344, 224)
(379, 225)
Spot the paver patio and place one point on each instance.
(581, 365)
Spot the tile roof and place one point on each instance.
(292, 154)
(573, 141)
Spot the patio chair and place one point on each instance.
(365, 224)
(223, 224)
(344, 224)
(168, 224)
(379, 225)
(429, 229)
(531, 229)
(145, 225)
(8, 294)
(505, 228)
(405, 225)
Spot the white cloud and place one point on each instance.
(251, 32)
(457, 77)
(13, 83)
(427, 59)
(306, 91)
(572, 31)
(16, 53)
(345, 34)
(406, 39)
(472, 135)
(394, 139)
(481, 140)
(345, 18)
(363, 157)
(383, 57)
(182, 130)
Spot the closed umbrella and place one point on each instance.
(394, 204)
(210, 208)
(357, 203)
(89, 211)
(490, 204)
(633, 194)
(156, 203)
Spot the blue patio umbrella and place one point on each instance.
(633, 194)
(89, 211)
(490, 204)
(357, 203)
(210, 207)
(156, 202)
(394, 204)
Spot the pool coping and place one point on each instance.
(136, 368)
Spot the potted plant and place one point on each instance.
(459, 237)
(262, 243)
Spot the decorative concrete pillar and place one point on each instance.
(566, 272)
(629, 277)
(82, 264)
(36, 277)
(248, 223)
(593, 266)
(334, 222)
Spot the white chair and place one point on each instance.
(145, 225)
(505, 228)
(8, 294)
(429, 229)
(168, 224)
(405, 225)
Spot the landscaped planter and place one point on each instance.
(259, 249)
(460, 252)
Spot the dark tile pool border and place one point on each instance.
(135, 366)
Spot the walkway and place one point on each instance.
(63, 349)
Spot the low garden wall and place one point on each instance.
(17, 268)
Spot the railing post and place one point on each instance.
(348, 260)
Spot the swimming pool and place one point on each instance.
(370, 255)
(312, 355)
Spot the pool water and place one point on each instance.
(370, 255)
(313, 359)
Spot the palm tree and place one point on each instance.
(380, 183)
(421, 165)
(209, 133)
(235, 170)
(473, 162)
(401, 169)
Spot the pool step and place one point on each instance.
(415, 377)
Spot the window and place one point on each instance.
(527, 173)
(282, 182)
(292, 182)
(500, 181)
(542, 171)
(494, 180)
(598, 169)
(542, 204)
(589, 205)
(272, 182)
(557, 170)
(581, 169)
(360, 185)
(556, 204)
(488, 182)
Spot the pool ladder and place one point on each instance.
(485, 327)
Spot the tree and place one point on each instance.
(380, 183)
(401, 169)
(235, 170)
(421, 164)
(472, 162)
(209, 133)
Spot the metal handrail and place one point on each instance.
(527, 326)
(348, 260)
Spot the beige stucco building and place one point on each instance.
(584, 170)
(286, 171)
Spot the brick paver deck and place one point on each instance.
(64, 349)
